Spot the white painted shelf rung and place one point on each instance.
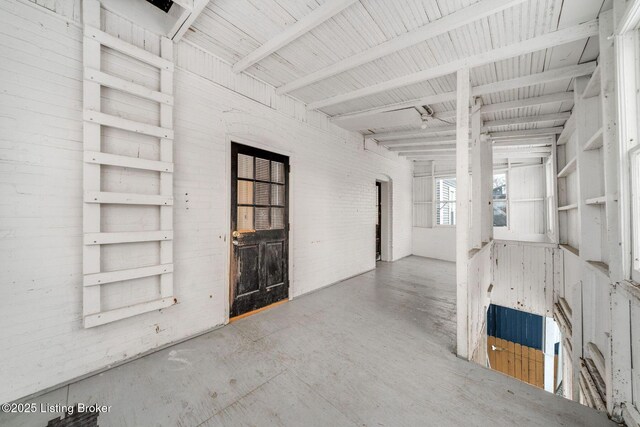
(593, 87)
(127, 198)
(127, 48)
(125, 124)
(595, 141)
(97, 279)
(601, 200)
(126, 237)
(109, 316)
(114, 82)
(127, 162)
(568, 207)
(569, 167)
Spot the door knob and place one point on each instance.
(236, 234)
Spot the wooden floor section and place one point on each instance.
(374, 350)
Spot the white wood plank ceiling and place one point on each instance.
(341, 56)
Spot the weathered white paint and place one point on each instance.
(463, 88)
(480, 277)
(523, 276)
(332, 191)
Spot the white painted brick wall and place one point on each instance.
(332, 194)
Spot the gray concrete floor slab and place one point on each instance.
(374, 350)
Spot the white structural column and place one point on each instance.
(610, 152)
(462, 212)
(487, 189)
(477, 175)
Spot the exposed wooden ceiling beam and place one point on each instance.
(450, 129)
(527, 120)
(419, 141)
(553, 98)
(526, 133)
(555, 38)
(319, 15)
(187, 19)
(430, 30)
(443, 155)
(425, 145)
(533, 79)
(411, 133)
(528, 102)
(424, 148)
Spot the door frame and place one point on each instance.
(386, 228)
(268, 145)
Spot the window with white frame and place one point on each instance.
(445, 189)
(422, 214)
(500, 201)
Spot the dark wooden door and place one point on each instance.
(379, 221)
(259, 228)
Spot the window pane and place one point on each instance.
(262, 218)
(277, 194)
(446, 213)
(245, 218)
(277, 218)
(499, 214)
(262, 169)
(245, 166)
(500, 186)
(245, 192)
(445, 189)
(277, 172)
(262, 193)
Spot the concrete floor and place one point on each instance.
(374, 350)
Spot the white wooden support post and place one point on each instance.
(487, 187)
(576, 308)
(91, 172)
(462, 211)
(555, 235)
(477, 176)
(166, 178)
(610, 152)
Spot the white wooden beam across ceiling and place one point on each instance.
(187, 19)
(555, 38)
(450, 129)
(559, 97)
(319, 15)
(528, 102)
(527, 120)
(451, 155)
(447, 23)
(630, 19)
(533, 79)
(427, 143)
(419, 141)
(512, 134)
(411, 133)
